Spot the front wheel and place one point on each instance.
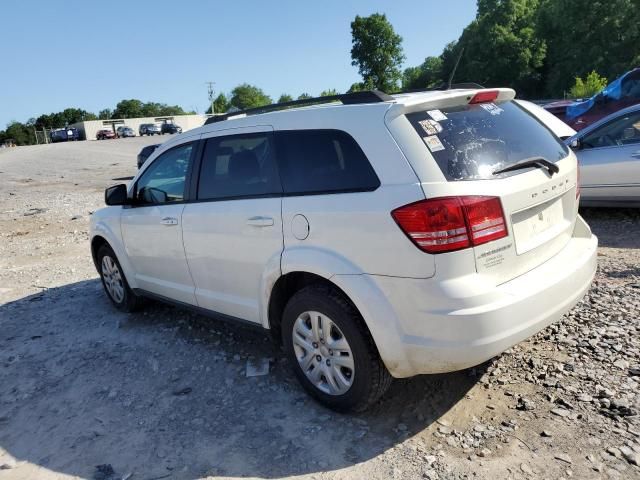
(331, 350)
(114, 282)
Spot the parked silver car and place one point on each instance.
(609, 156)
(149, 129)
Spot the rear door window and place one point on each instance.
(322, 161)
(470, 142)
(238, 166)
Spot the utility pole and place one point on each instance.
(211, 92)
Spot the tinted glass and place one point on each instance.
(470, 142)
(624, 130)
(238, 166)
(319, 161)
(164, 180)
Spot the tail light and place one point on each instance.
(484, 97)
(452, 223)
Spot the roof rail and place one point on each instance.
(369, 96)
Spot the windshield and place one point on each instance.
(470, 142)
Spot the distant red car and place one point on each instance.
(621, 93)
(104, 134)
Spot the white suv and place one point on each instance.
(376, 236)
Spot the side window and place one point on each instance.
(164, 180)
(322, 161)
(238, 166)
(624, 130)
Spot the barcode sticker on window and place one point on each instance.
(437, 115)
(434, 143)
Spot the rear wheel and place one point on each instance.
(114, 282)
(331, 350)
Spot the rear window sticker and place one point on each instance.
(434, 143)
(492, 108)
(431, 127)
(437, 115)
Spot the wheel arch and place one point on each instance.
(96, 243)
(285, 287)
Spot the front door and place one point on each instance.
(610, 160)
(151, 228)
(233, 232)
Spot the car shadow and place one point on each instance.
(615, 227)
(164, 392)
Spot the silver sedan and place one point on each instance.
(609, 155)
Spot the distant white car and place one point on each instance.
(609, 156)
(387, 236)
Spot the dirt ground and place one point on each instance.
(89, 392)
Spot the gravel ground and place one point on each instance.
(89, 392)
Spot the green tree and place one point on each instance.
(329, 93)
(220, 104)
(128, 109)
(248, 96)
(150, 109)
(502, 47)
(285, 97)
(304, 96)
(376, 51)
(20, 133)
(64, 118)
(360, 86)
(105, 114)
(426, 75)
(588, 87)
(586, 35)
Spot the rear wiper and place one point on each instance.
(552, 168)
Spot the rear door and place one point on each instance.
(233, 232)
(460, 149)
(610, 160)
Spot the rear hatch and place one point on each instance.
(481, 144)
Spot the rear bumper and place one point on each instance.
(448, 326)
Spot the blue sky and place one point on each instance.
(92, 54)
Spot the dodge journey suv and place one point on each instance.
(375, 236)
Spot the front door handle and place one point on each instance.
(169, 221)
(636, 154)
(260, 221)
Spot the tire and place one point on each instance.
(113, 277)
(360, 376)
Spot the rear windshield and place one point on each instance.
(470, 142)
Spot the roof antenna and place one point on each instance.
(453, 72)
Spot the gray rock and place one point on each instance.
(526, 469)
(630, 455)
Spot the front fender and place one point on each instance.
(107, 225)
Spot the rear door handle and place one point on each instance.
(260, 221)
(636, 154)
(169, 221)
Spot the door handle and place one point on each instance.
(260, 221)
(636, 154)
(169, 221)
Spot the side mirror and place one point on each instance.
(116, 195)
(576, 144)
